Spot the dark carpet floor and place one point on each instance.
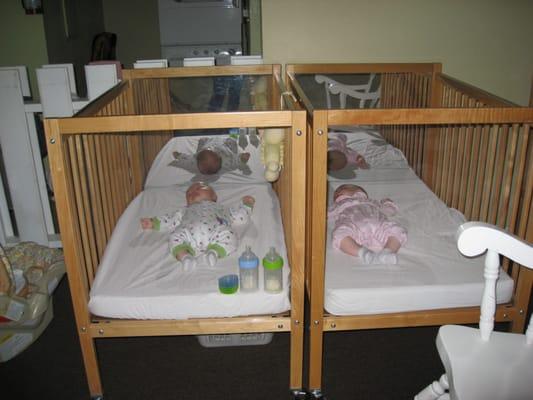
(377, 364)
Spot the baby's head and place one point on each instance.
(208, 162)
(336, 160)
(349, 191)
(198, 192)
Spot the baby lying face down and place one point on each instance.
(203, 226)
(340, 155)
(362, 227)
(213, 155)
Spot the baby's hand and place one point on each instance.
(146, 223)
(360, 162)
(249, 201)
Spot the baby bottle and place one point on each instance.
(273, 267)
(248, 270)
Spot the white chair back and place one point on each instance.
(482, 364)
(362, 92)
(476, 238)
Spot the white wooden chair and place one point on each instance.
(360, 92)
(480, 363)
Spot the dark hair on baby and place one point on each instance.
(208, 162)
(336, 160)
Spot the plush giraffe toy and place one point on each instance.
(272, 152)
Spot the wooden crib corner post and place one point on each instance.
(524, 287)
(318, 182)
(72, 253)
(297, 193)
(135, 149)
(430, 144)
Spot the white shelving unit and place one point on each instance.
(28, 216)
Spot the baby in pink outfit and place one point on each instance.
(362, 227)
(340, 155)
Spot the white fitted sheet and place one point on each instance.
(139, 279)
(430, 274)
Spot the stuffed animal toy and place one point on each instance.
(272, 152)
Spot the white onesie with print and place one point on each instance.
(203, 226)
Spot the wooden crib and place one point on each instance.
(449, 132)
(99, 159)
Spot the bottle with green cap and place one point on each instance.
(273, 268)
(249, 270)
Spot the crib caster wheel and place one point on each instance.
(317, 394)
(298, 394)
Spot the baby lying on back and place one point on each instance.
(203, 226)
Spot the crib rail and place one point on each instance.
(456, 93)
(114, 102)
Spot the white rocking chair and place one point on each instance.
(482, 364)
(367, 99)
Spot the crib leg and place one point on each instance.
(92, 372)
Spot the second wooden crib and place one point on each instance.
(452, 145)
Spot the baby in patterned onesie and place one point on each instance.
(203, 226)
(362, 227)
(213, 154)
(340, 155)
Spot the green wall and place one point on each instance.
(22, 40)
(487, 43)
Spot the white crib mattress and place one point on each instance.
(430, 274)
(138, 278)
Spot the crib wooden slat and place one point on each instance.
(489, 173)
(446, 162)
(458, 153)
(104, 187)
(483, 155)
(123, 185)
(87, 211)
(521, 185)
(465, 171)
(118, 193)
(95, 199)
(503, 212)
(439, 141)
(82, 217)
(107, 176)
(500, 157)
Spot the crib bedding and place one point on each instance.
(430, 274)
(139, 279)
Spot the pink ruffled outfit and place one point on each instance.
(338, 143)
(365, 221)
